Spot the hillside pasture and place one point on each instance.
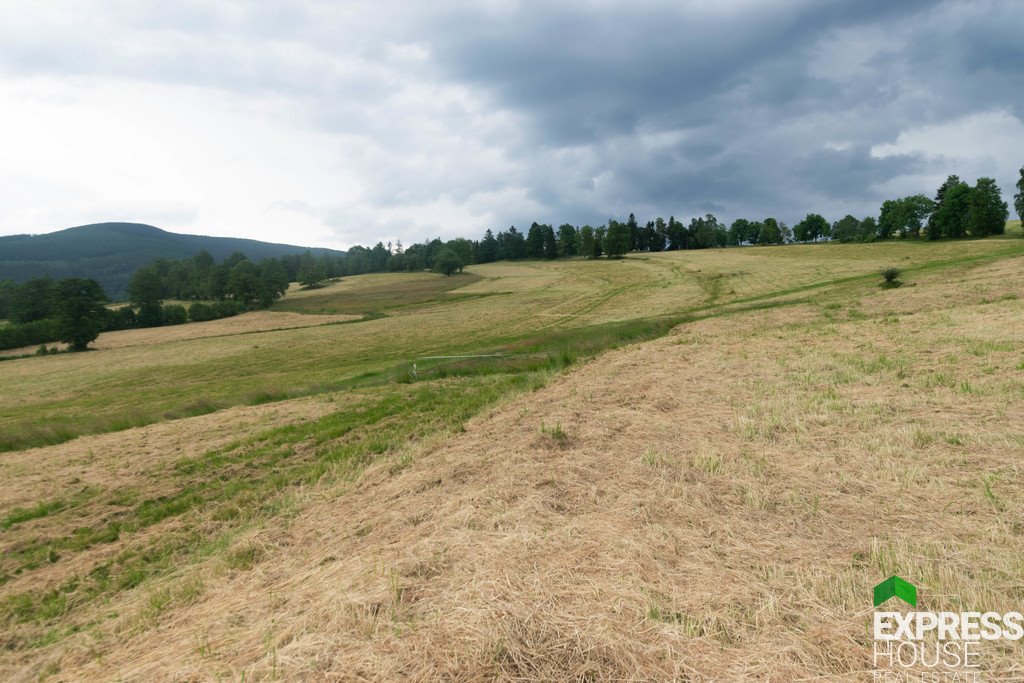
(49, 400)
(771, 416)
(245, 323)
(789, 433)
(372, 293)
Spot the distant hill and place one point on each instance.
(111, 252)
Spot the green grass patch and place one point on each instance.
(244, 482)
(63, 397)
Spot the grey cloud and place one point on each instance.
(582, 110)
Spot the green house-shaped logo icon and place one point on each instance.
(895, 587)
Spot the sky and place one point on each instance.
(339, 123)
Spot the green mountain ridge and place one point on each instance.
(110, 252)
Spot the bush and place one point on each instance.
(890, 276)
(27, 334)
(174, 314)
(226, 309)
(200, 312)
(121, 319)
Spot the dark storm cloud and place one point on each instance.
(744, 79)
(521, 111)
(592, 74)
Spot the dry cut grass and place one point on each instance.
(713, 505)
(45, 400)
(246, 323)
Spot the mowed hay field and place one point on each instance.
(247, 323)
(50, 400)
(712, 504)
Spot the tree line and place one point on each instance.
(73, 310)
(958, 211)
(43, 310)
(237, 281)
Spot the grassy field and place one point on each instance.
(371, 294)
(50, 400)
(305, 502)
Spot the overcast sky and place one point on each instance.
(339, 123)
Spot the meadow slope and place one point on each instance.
(713, 504)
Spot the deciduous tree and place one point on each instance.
(952, 207)
(311, 273)
(988, 211)
(812, 228)
(145, 292)
(448, 261)
(847, 229)
(1018, 199)
(81, 315)
(617, 240)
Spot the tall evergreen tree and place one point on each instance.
(634, 233)
(703, 233)
(661, 235)
(516, 244)
(648, 238)
(586, 240)
(488, 250)
(535, 241)
(567, 240)
(676, 234)
(600, 233)
(550, 243)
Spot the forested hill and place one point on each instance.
(111, 252)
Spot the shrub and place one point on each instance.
(890, 277)
(174, 314)
(26, 334)
(122, 318)
(200, 312)
(226, 309)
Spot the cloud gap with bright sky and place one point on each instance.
(333, 124)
